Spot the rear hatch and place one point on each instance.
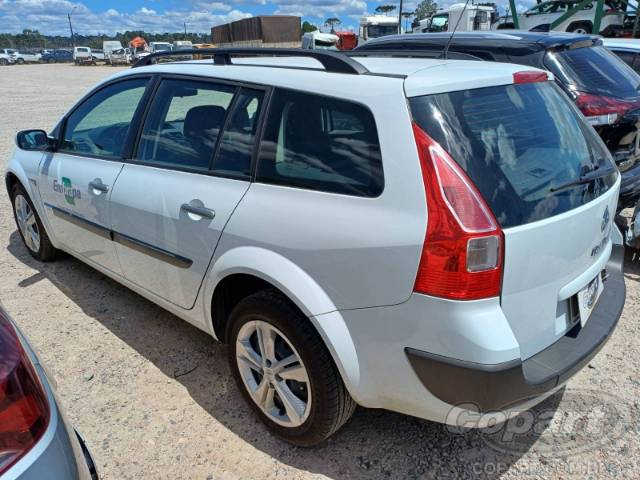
(524, 146)
(606, 89)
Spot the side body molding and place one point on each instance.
(302, 290)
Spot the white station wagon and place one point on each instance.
(428, 236)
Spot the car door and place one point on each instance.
(191, 169)
(77, 179)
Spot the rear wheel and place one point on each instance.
(285, 371)
(20, 61)
(4, 61)
(30, 226)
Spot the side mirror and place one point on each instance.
(33, 140)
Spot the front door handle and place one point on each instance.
(199, 211)
(98, 186)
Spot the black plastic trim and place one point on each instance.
(504, 385)
(130, 242)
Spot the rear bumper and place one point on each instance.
(506, 385)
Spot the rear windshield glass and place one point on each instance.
(594, 70)
(518, 144)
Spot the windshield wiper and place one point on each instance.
(589, 177)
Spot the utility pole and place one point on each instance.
(73, 41)
(400, 19)
(185, 30)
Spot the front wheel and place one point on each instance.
(30, 226)
(20, 61)
(285, 371)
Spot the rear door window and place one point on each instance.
(321, 143)
(594, 70)
(519, 144)
(184, 123)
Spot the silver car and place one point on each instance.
(426, 236)
(36, 440)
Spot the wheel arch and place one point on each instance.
(244, 270)
(578, 23)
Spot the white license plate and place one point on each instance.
(588, 298)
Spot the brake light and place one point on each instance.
(24, 411)
(462, 252)
(531, 76)
(601, 110)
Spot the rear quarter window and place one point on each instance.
(518, 144)
(320, 143)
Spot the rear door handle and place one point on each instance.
(200, 211)
(99, 186)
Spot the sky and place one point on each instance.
(91, 17)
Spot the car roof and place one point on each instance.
(420, 76)
(626, 43)
(524, 41)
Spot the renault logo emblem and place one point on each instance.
(605, 219)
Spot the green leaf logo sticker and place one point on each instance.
(70, 193)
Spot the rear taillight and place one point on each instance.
(601, 110)
(529, 76)
(462, 252)
(24, 411)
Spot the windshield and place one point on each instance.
(594, 70)
(375, 31)
(439, 23)
(520, 145)
(162, 48)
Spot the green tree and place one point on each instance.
(308, 27)
(332, 22)
(385, 9)
(425, 9)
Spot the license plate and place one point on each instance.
(588, 298)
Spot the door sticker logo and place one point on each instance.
(66, 188)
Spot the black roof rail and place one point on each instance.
(411, 53)
(332, 62)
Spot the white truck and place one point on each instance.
(374, 26)
(182, 45)
(155, 47)
(469, 19)
(108, 47)
(319, 41)
(82, 55)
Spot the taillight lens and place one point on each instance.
(462, 252)
(24, 411)
(529, 76)
(601, 110)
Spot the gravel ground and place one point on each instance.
(155, 399)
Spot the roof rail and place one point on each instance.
(409, 53)
(331, 61)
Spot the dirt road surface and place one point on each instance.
(155, 399)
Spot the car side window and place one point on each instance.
(184, 122)
(628, 58)
(99, 126)
(238, 140)
(321, 143)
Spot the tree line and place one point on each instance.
(34, 39)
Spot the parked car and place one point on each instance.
(348, 248)
(97, 55)
(57, 56)
(25, 56)
(155, 47)
(6, 59)
(625, 48)
(82, 55)
(599, 83)
(539, 18)
(320, 41)
(109, 46)
(121, 56)
(37, 439)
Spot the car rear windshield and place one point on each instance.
(520, 145)
(594, 70)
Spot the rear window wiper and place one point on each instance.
(594, 174)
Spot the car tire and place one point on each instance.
(52, 60)
(324, 405)
(4, 62)
(584, 28)
(20, 61)
(42, 249)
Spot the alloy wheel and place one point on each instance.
(27, 223)
(273, 373)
